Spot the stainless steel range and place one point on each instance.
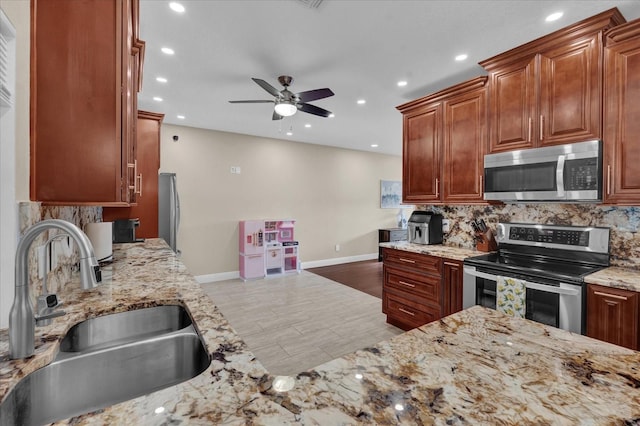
(552, 260)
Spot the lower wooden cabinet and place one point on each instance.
(418, 288)
(452, 286)
(613, 315)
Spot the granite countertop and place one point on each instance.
(477, 366)
(616, 277)
(449, 252)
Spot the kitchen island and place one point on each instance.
(474, 367)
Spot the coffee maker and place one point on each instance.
(425, 227)
(124, 231)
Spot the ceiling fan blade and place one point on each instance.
(276, 116)
(250, 102)
(266, 86)
(313, 95)
(312, 109)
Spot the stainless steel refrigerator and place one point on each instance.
(168, 209)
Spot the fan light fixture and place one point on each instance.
(285, 108)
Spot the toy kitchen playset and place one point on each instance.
(267, 248)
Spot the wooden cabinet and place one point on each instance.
(622, 115)
(419, 288)
(444, 139)
(411, 291)
(85, 60)
(549, 91)
(452, 286)
(147, 165)
(613, 316)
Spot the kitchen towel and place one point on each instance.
(510, 296)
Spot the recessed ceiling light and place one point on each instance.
(361, 102)
(402, 83)
(157, 98)
(167, 51)
(180, 117)
(554, 16)
(332, 115)
(462, 57)
(176, 7)
(289, 133)
(307, 125)
(374, 145)
(161, 79)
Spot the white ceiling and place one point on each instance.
(359, 49)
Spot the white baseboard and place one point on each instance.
(338, 260)
(223, 276)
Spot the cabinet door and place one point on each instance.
(612, 315)
(570, 93)
(80, 132)
(512, 106)
(148, 164)
(465, 138)
(421, 155)
(622, 116)
(452, 287)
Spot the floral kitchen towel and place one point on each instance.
(510, 296)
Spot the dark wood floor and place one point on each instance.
(365, 276)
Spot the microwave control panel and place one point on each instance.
(581, 175)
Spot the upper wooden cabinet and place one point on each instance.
(549, 91)
(146, 184)
(85, 72)
(444, 136)
(622, 115)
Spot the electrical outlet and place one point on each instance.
(235, 170)
(445, 225)
(337, 247)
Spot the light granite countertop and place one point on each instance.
(477, 366)
(449, 252)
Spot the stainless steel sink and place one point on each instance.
(124, 327)
(105, 374)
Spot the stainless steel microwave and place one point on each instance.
(561, 173)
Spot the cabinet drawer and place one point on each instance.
(420, 262)
(399, 235)
(427, 286)
(407, 313)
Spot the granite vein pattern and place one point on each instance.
(449, 252)
(616, 277)
(474, 367)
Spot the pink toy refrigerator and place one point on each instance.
(251, 245)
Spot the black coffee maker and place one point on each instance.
(124, 231)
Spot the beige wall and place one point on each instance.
(333, 194)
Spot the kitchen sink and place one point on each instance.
(124, 327)
(100, 372)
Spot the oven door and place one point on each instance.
(557, 304)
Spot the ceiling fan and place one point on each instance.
(287, 102)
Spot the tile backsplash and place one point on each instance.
(33, 212)
(623, 221)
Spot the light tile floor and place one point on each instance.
(295, 322)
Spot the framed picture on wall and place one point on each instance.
(391, 194)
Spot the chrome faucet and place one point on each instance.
(21, 318)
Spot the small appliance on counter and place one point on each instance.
(425, 227)
(101, 236)
(124, 231)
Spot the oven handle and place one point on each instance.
(533, 286)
